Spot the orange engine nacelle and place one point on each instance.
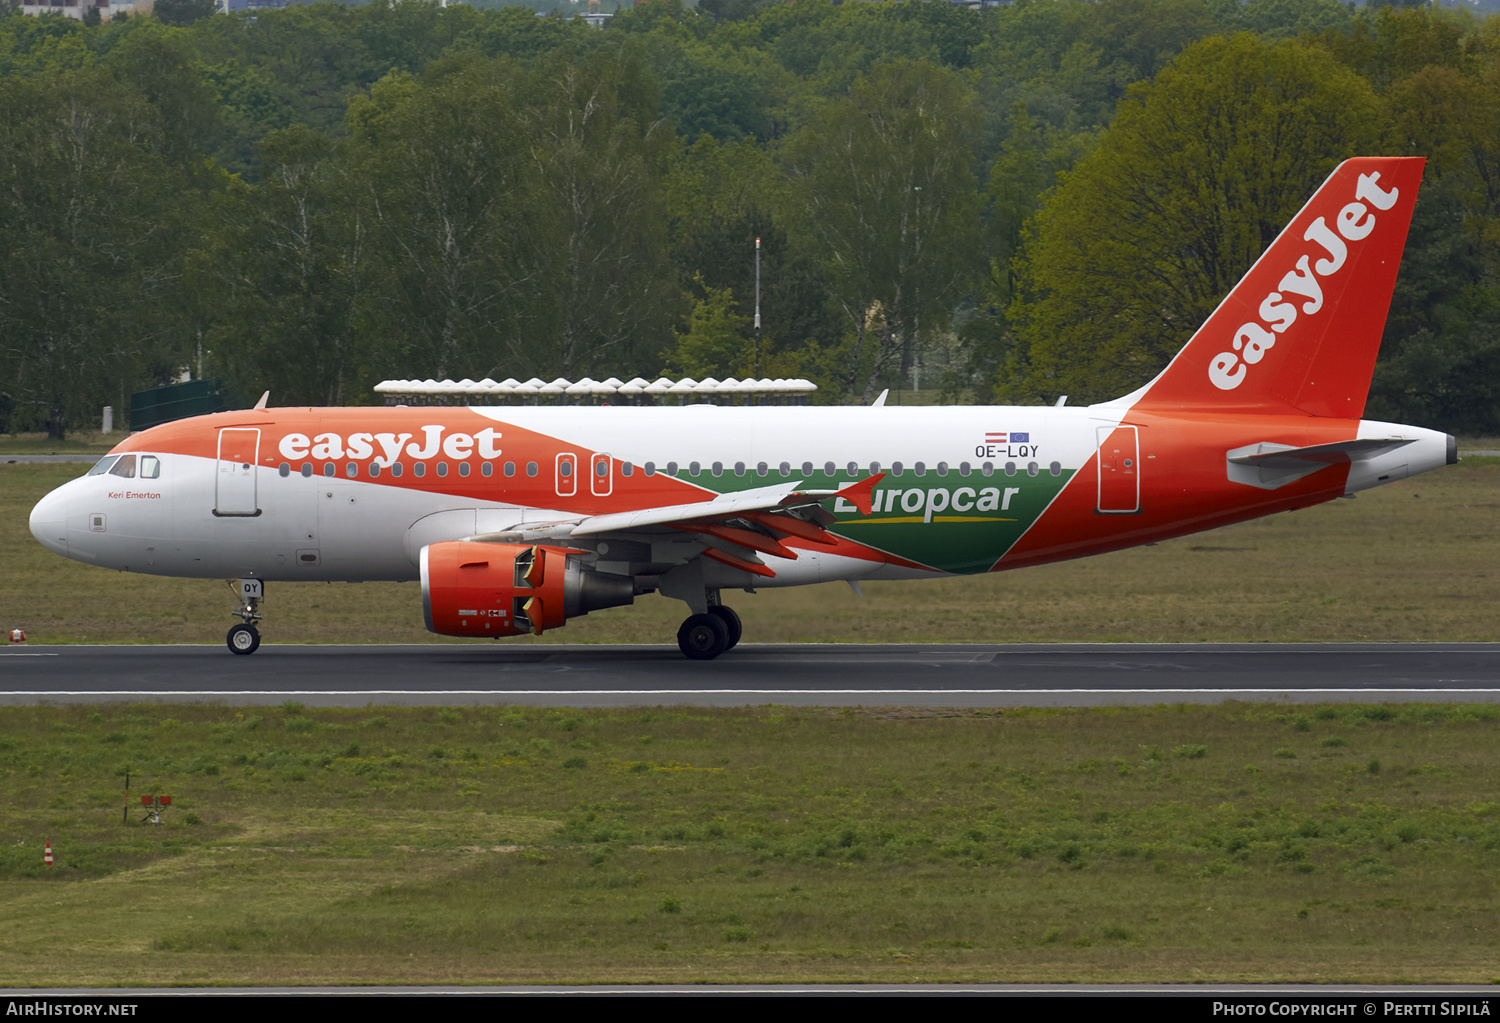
(471, 588)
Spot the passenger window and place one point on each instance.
(531, 468)
(125, 467)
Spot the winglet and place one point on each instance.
(862, 494)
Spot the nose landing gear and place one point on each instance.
(245, 638)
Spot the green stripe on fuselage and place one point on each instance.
(909, 518)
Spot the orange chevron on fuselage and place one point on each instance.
(1184, 486)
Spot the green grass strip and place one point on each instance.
(493, 844)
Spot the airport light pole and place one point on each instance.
(756, 374)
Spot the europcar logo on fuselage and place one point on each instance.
(962, 528)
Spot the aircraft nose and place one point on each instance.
(49, 522)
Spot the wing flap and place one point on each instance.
(778, 498)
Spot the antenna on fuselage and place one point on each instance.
(260, 405)
(880, 401)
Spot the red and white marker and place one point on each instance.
(17, 636)
(47, 856)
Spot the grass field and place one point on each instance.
(1415, 560)
(424, 845)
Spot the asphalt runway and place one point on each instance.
(937, 675)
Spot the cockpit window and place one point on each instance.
(103, 465)
(150, 467)
(125, 467)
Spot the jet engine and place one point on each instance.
(470, 588)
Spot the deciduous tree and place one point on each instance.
(284, 277)
(1199, 173)
(598, 150)
(883, 188)
(90, 244)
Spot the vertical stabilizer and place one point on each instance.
(1301, 330)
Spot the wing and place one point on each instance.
(732, 528)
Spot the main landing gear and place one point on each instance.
(706, 636)
(245, 637)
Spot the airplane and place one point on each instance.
(516, 519)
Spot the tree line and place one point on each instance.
(1005, 205)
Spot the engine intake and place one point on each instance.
(500, 589)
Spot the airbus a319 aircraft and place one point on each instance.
(517, 519)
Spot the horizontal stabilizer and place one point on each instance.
(1269, 465)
